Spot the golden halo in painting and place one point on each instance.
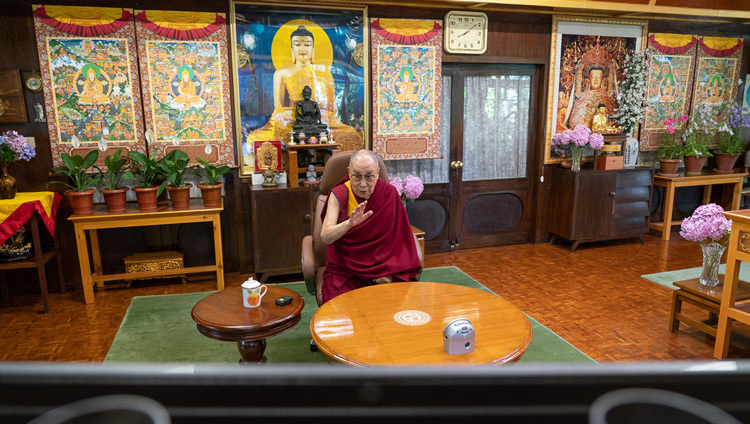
(281, 48)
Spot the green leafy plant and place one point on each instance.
(695, 146)
(147, 169)
(116, 173)
(75, 168)
(214, 173)
(669, 148)
(174, 167)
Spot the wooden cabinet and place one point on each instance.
(599, 205)
(281, 217)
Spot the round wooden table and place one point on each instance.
(221, 316)
(403, 323)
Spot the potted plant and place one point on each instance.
(75, 168)
(698, 135)
(210, 185)
(730, 142)
(670, 149)
(576, 139)
(710, 229)
(112, 189)
(13, 147)
(148, 187)
(174, 167)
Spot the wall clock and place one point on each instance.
(465, 32)
(33, 83)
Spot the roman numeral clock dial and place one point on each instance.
(465, 32)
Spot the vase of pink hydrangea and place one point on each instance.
(13, 147)
(576, 139)
(710, 229)
(409, 187)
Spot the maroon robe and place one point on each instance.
(382, 245)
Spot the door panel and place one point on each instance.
(478, 193)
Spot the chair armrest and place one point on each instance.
(308, 258)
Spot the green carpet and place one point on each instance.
(160, 329)
(667, 278)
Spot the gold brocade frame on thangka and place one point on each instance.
(268, 80)
(579, 46)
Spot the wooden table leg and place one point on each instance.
(39, 256)
(218, 253)
(707, 189)
(58, 259)
(674, 323)
(83, 261)
(728, 298)
(96, 255)
(252, 352)
(737, 196)
(668, 206)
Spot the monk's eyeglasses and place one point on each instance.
(358, 177)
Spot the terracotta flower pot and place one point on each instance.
(146, 197)
(115, 199)
(725, 162)
(180, 196)
(211, 195)
(694, 164)
(82, 202)
(668, 167)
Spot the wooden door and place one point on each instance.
(480, 193)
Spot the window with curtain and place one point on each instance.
(496, 126)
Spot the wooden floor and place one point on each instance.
(594, 298)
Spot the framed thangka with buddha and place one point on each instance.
(185, 82)
(669, 84)
(89, 70)
(586, 59)
(280, 49)
(406, 74)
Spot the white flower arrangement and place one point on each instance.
(632, 94)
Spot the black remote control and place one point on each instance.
(284, 300)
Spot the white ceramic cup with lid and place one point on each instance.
(252, 293)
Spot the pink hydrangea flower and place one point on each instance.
(707, 224)
(413, 186)
(596, 141)
(398, 183)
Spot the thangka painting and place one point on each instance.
(406, 73)
(586, 57)
(91, 87)
(281, 49)
(717, 72)
(669, 83)
(186, 93)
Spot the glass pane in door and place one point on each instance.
(431, 171)
(496, 126)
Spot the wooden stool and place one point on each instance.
(707, 298)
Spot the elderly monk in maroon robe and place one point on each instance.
(367, 231)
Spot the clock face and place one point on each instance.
(465, 32)
(34, 83)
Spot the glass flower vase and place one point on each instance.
(576, 152)
(711, 259)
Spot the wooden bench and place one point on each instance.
(708, 298)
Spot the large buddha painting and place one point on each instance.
(586, 57)
(279, 50)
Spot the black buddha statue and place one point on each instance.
(307, 116)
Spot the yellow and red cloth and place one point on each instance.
(17, 211)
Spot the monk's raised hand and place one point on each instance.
(359, 215)
(383, 280)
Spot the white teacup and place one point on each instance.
(252, 293)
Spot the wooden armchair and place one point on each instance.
(313, 248)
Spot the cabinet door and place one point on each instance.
(594, 204)
(281, 218)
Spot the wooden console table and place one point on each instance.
(132, 217)
(708, 179)
(738, 251)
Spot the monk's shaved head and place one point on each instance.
(363, 154)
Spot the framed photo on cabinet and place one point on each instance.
(586, 60)
(279, 49)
